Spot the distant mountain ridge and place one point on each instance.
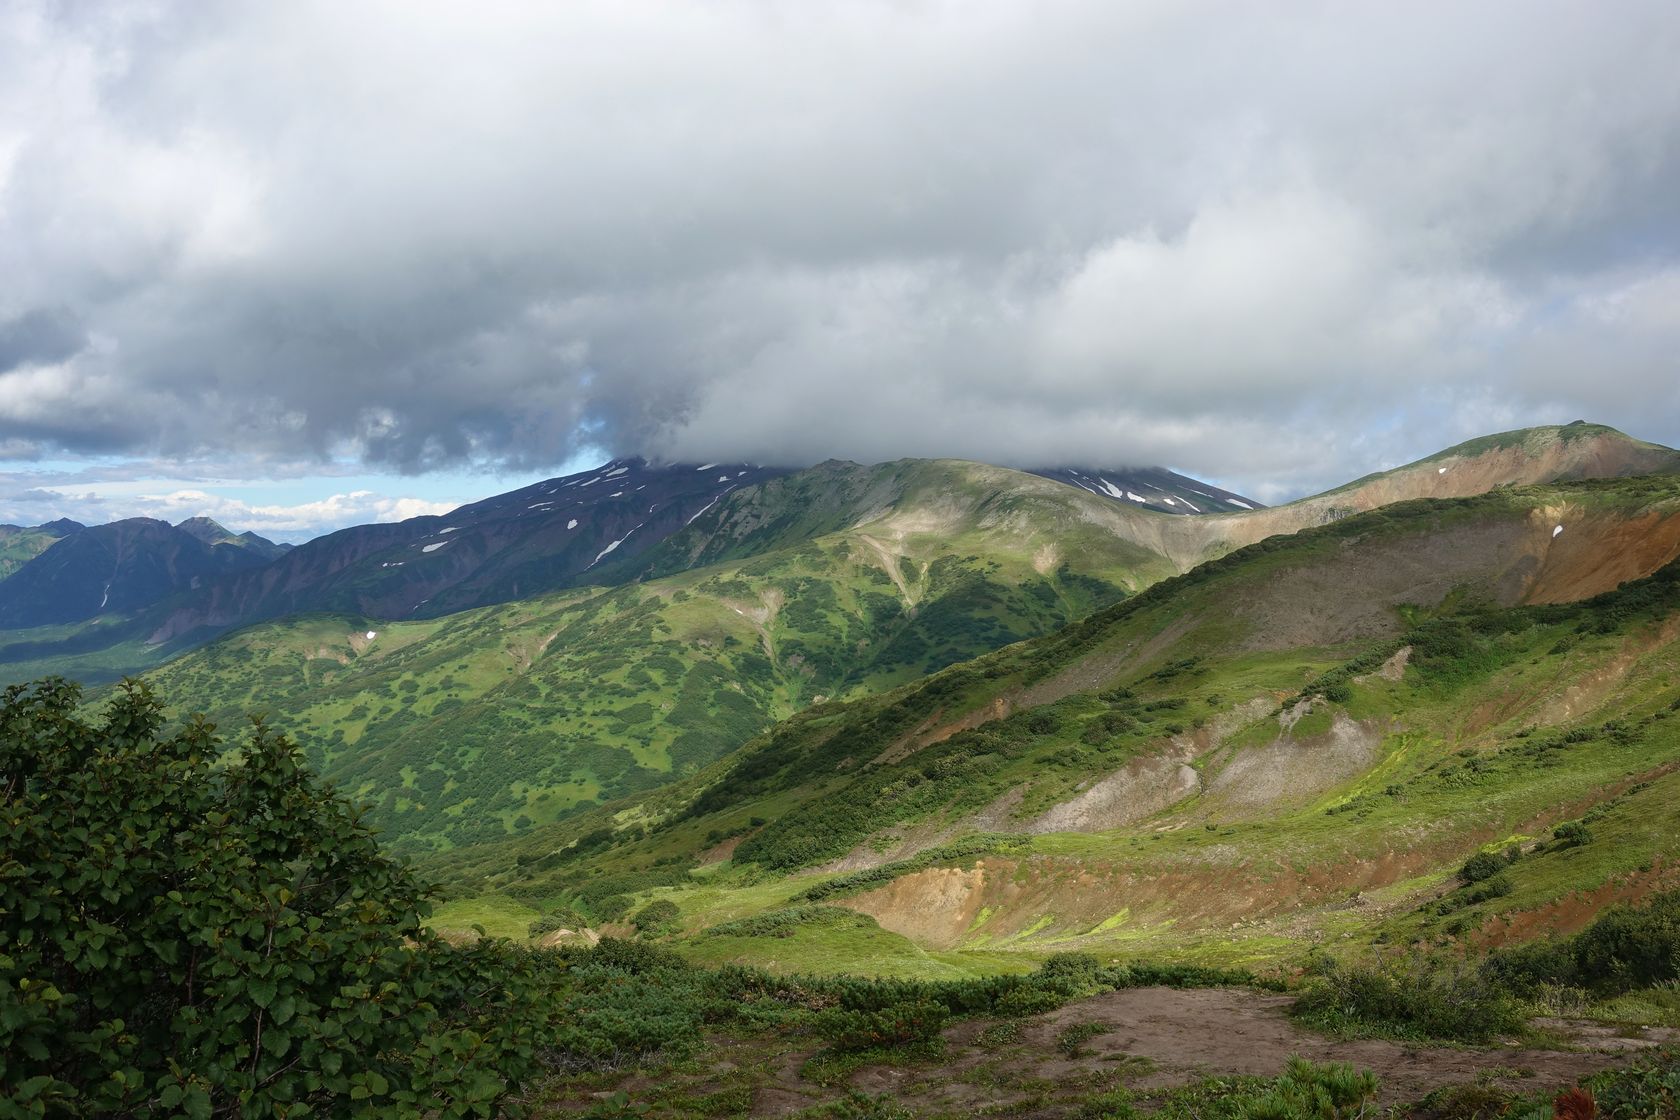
(561, 532)
(1154, 488)
(630, 520)
(122, 566)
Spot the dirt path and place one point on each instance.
(1233, 1030)
(1163, 1037)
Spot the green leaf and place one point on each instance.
(261, 991)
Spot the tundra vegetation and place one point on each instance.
(1399, 794)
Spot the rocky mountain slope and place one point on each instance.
(1305, 738)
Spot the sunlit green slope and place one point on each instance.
(493, 721)
(1300, 742)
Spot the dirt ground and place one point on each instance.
(1181, 1035)
(1148, 1039)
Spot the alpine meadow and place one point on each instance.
(869, 561)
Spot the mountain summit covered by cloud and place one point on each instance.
(1271, 245)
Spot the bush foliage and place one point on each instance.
(182, 937)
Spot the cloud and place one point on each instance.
(41, 334)
(294, 522)
(1276, 245)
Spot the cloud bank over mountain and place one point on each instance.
(1277, 245)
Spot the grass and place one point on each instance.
(497, 916)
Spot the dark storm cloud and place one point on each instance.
(38, 336)
(1279, 245)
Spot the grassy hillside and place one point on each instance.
(499, 720)
(18, 546)
(1300, 742)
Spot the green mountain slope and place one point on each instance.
(19, 545)
(1302, 740)
(492, 721)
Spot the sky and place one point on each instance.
(303, 265)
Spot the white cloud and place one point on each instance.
(1278, 244)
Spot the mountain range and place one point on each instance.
(977, 705)
(1306, 736)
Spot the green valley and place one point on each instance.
(1305, 738)
(489, 722)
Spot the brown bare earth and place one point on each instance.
(1184, 1035)
(1148, 1041)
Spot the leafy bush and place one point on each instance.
(903, 1024)
(1482, 865)
(656, 918)
(1649, 1086)
(785, 923)
(1624, 949)
(180, 937)
(1572, 834)
(1408, 1000)
(562, 918)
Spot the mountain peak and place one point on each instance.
(205, 529)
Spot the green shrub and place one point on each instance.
(1572, 834)
(182, 937)
(1409, 1001)
(1624, 949)
(903, 1024)
(657, 918)
(1482, 865)
(785, 923)
(1650, 1086)
(563, 918)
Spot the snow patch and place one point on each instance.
(1138, 498)
(723, 478)
(433, 547)
(1557, 530)
(704, 508)
(1112, 490)
(1239, 503)
(705, 466)
(1187, 502)
(371, 635)
(610, 547)
(615, 474)
(1169, 501)
(616, 494)
(572, 524)
(451, 529)
(1440, 470)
